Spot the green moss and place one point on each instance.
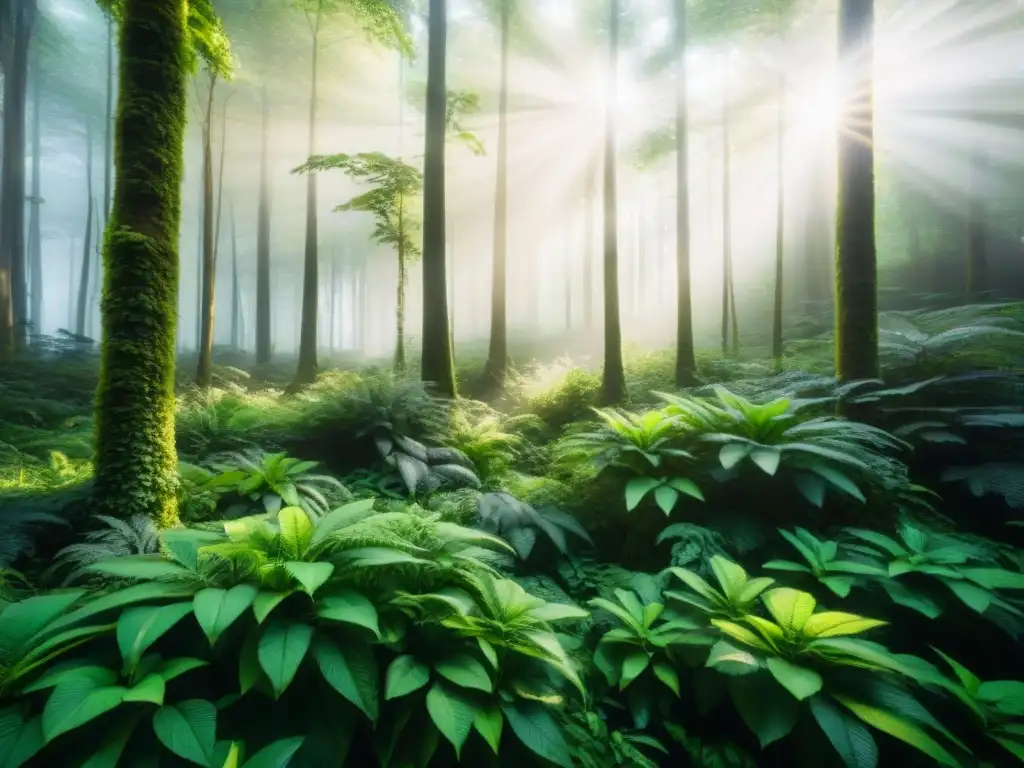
(136, 463)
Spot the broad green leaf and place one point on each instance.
(1006, 696)
(218, 609)
(765, 709)
(811, 487)
(342, 517)
(311, 576)
(851, 739)
(149, 567)
(405, 675)
(277, 754)
(75, 671)
(839, 585)
(150, 689)
(695, 582)
(136, 593)
(249, 670)
(633, 666)
(686, 487)
(296, 531)
(77, 702)
(900, 729)
(173, 668)
(730, 660)
(767, 459)
(20, 739)
(666, 497)
(974, 597)
(464, 670)
(537, 729)
(188, 729)
(786, 565)
(968, 679)
(140, 627)
(732, 454)
(452, 713)
(995, 578)
(349, 607)
(109, 753)
(24, 619)
(623, 615)
(637, 488)
(837, 623)
(749, 591)
(266, 601)
(900, 594)
(552, 612)
(838, 480)
(731, 577)
(350, 669)
(668, 675)
(800, 681)
(282, 648)
(488, 722)
(790, 608)
(744, 635)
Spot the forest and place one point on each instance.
(511, 383)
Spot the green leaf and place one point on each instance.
(218, 609)
(150, 689)
(730, 660)
(296, 531)
(767, 459)
(349, 607)
(351, 670)
(995, 578)
(552, 612)
(138, 628)
(800, 681)
(405, 675)
(744, 635)
(838, 624)
(277, 754)
(633, 666)
(249, 670)
(790, 608)
(968, 679)
(188, 729)
(75, 671)
(150, 567)
(173, 668)
(851, 739)
(769, 715)
(76, 702)
(281, 650)
(136, 593)
(637, 488)
(976, 598)
(464, 670)
(839, 585)
(732, 454)
(686, 487)
(488, 722)
(342, 517)
(900, 729)
(20, 739)
(668, 676)
(452, 713)
(537, 729)
(1006, 696)
(26, 618)
(311, 576)
(900, 594)
(811, 487)
(838, 480)
(109, 753)
(267, 601)
(666, 497)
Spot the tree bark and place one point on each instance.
(204, 372)
(856, 267)
(686, 364)
(437, 360)
(307, 368)
(34, 234)
(780, 222)
(613, 379)
(263, 335)
(136, 467)
(497, 352)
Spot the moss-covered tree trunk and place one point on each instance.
(263, 239)
(135, 459)
(208, 273)
(686, 364)
(83, 281)
(437, 360)
(35, 245)
(856, 267)
(307, 368)
(613, 377)
(497, 353)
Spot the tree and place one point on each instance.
(35, 246)
(686, 364)
(82, 307)
(263, 342)
(856, 266)
(136, 468)
(208, 269)
(392, 182)
(437, 361)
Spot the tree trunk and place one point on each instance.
(590, 245)
(400, 302)
(977, 247)
(686, 364)
(497, 352)
(136, 466)
(726, 222)
(204, 372)
(780, 222)
(13, 287)
(236, 289)
(34, 233)
(83, 283)
(108, 133)
(613, 379)
(71, 283)
(437, 360)
(263, 241)
(307, 369)
(856, 267)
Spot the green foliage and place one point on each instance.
(520, 523)
(136, 535)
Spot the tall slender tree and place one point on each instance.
(613, 379)
(236, 288)
(856, 266)
(686, 364)
(35, 246)
(208, 270)
(135, 460)
(437, 360)
(263, 316)
(83, 282)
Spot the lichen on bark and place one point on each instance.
(135, 461)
